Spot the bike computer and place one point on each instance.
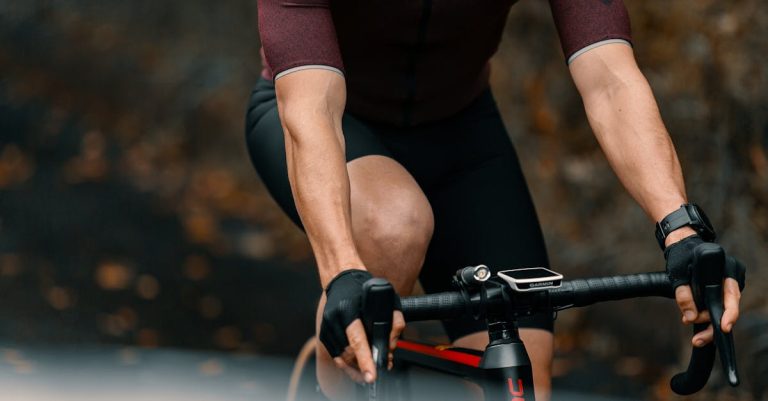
(531, 279)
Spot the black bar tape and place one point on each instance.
(443, 305)
(583, 292)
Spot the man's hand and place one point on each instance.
(356, 360)
(731, 296)
(679, 257)
(342, 331)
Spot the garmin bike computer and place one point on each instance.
(531, 279)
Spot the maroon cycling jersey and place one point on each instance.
(412, 61)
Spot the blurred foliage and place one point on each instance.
(129, 211)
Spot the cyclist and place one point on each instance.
(374, 128)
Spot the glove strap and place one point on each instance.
(351, 271)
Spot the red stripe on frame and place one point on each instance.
(446, 354)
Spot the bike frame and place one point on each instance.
(503, 371)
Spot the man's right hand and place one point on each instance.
(342, 331)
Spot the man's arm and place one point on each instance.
(311, 104)
(301, 53)
(626, 121)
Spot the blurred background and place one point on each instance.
(133, 228)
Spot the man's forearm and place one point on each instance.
(627, 124)
(317, 168)
(319, 181)
(629, 129)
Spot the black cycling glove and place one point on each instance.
(343, 305)
(680, 259)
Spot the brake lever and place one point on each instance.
(713, 297)
(378, 298)
(699, 367)
(707, 286)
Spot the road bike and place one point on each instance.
(503, 370)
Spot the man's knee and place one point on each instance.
(392, 232)
(402, 222)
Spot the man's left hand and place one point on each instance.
(679, 257)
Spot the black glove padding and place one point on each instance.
(343, 305)
(680, 259)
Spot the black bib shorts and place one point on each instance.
(465, 164)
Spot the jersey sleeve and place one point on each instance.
(586, 24)
(298, 34)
